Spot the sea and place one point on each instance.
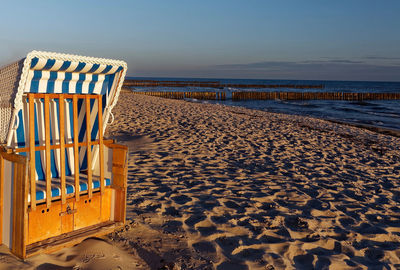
(381, 114)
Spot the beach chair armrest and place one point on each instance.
(119, 164)
(13, 157)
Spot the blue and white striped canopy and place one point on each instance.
(58, 76)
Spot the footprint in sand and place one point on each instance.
(250, 254)
(207, 249)
(194, 219)
(172, 211)
(206, 231)
(232, 265)
(181, 199)
(296, 223)
(172, 226)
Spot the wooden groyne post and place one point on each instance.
(258, 95)
(255, 95)
(183, 95)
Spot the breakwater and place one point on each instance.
(313, 96)
(183, 95)
(236, 96)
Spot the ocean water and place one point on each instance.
(375, 113)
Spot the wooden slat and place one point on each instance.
(25, 192)
(47, 150)
(105, 209)
(119, 167)
(19, 204)
(32, 170)
(62, 149)
(113, 145)
(1, 195)
(58, 146)
(72, 238)
(67, 221)
(120, 172)
(12, 157)
(16, 235)
(76, 147)
(101, 145)
(88, 148)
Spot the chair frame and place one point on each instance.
(28, 214)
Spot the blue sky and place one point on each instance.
(287, 39)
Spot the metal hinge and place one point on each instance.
(68, 211)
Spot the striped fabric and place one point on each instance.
(72, 66)
(22, 134)
(56, 76)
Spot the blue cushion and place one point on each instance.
(56, 189)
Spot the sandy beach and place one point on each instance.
(213, 186)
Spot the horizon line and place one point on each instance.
(216, 78)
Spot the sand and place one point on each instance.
(212, 186)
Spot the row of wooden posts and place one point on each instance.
(313, 96)
(183, 95)
(274, 95)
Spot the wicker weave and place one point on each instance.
(9, 81)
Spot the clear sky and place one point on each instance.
(264, 39)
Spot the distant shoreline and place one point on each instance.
(379, 116)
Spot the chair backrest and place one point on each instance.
(49, 117)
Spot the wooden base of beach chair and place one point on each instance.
(61, 218)
(28, 231)
(72, 238)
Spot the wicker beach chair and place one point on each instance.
(60, 180)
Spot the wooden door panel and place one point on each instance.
(87, 212)
(44, 222)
